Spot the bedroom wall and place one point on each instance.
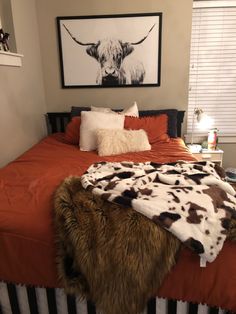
(229, 154)
(22, 97)
(173, 91)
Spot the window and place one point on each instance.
(212, 81)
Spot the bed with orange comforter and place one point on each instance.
(26, 231)
(27, 186)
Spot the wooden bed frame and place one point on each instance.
(59, 120)
(21, 299)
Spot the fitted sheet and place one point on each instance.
(27, 250)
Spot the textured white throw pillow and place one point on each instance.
(131, 111)
(115, 142)
(91, 121)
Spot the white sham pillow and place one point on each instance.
(132, 111)
(115, 142)
(91, 121)
(101, 109)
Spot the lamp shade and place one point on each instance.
(204, 121)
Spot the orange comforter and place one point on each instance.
(27, 252)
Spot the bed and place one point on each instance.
(29, 282)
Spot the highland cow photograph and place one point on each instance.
(110, 51)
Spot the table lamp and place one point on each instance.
(204, 122)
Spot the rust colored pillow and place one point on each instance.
(72, 131)
(155, 127)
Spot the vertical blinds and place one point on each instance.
(212, 85)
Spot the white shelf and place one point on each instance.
(10, 59)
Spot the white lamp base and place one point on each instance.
(194, 148)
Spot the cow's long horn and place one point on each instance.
(77, 41)
(139, 42)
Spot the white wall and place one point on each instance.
(22, 97)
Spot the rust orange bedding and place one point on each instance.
(27, 253)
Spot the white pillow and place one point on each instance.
(91, 121)
(131, 111)
(114, 142)
(101, 109)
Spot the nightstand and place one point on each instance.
(215, 156)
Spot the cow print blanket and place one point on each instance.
(191, 200)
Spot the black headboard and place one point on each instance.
(59, 120)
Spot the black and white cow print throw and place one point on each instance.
(189, 199)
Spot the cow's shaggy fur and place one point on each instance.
(110, 254)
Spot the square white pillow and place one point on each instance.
(91, 121)
(115, 142)
(131, 111)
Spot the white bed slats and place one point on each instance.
(18, 299)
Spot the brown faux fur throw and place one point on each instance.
(108, 253)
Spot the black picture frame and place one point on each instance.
(122, 50)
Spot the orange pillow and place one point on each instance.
(155, 127)
(72, 131)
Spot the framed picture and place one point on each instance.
(110, 50)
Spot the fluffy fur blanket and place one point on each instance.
(108, 252)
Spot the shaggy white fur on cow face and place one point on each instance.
(110, 54)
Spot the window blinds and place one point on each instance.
(212, 85)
